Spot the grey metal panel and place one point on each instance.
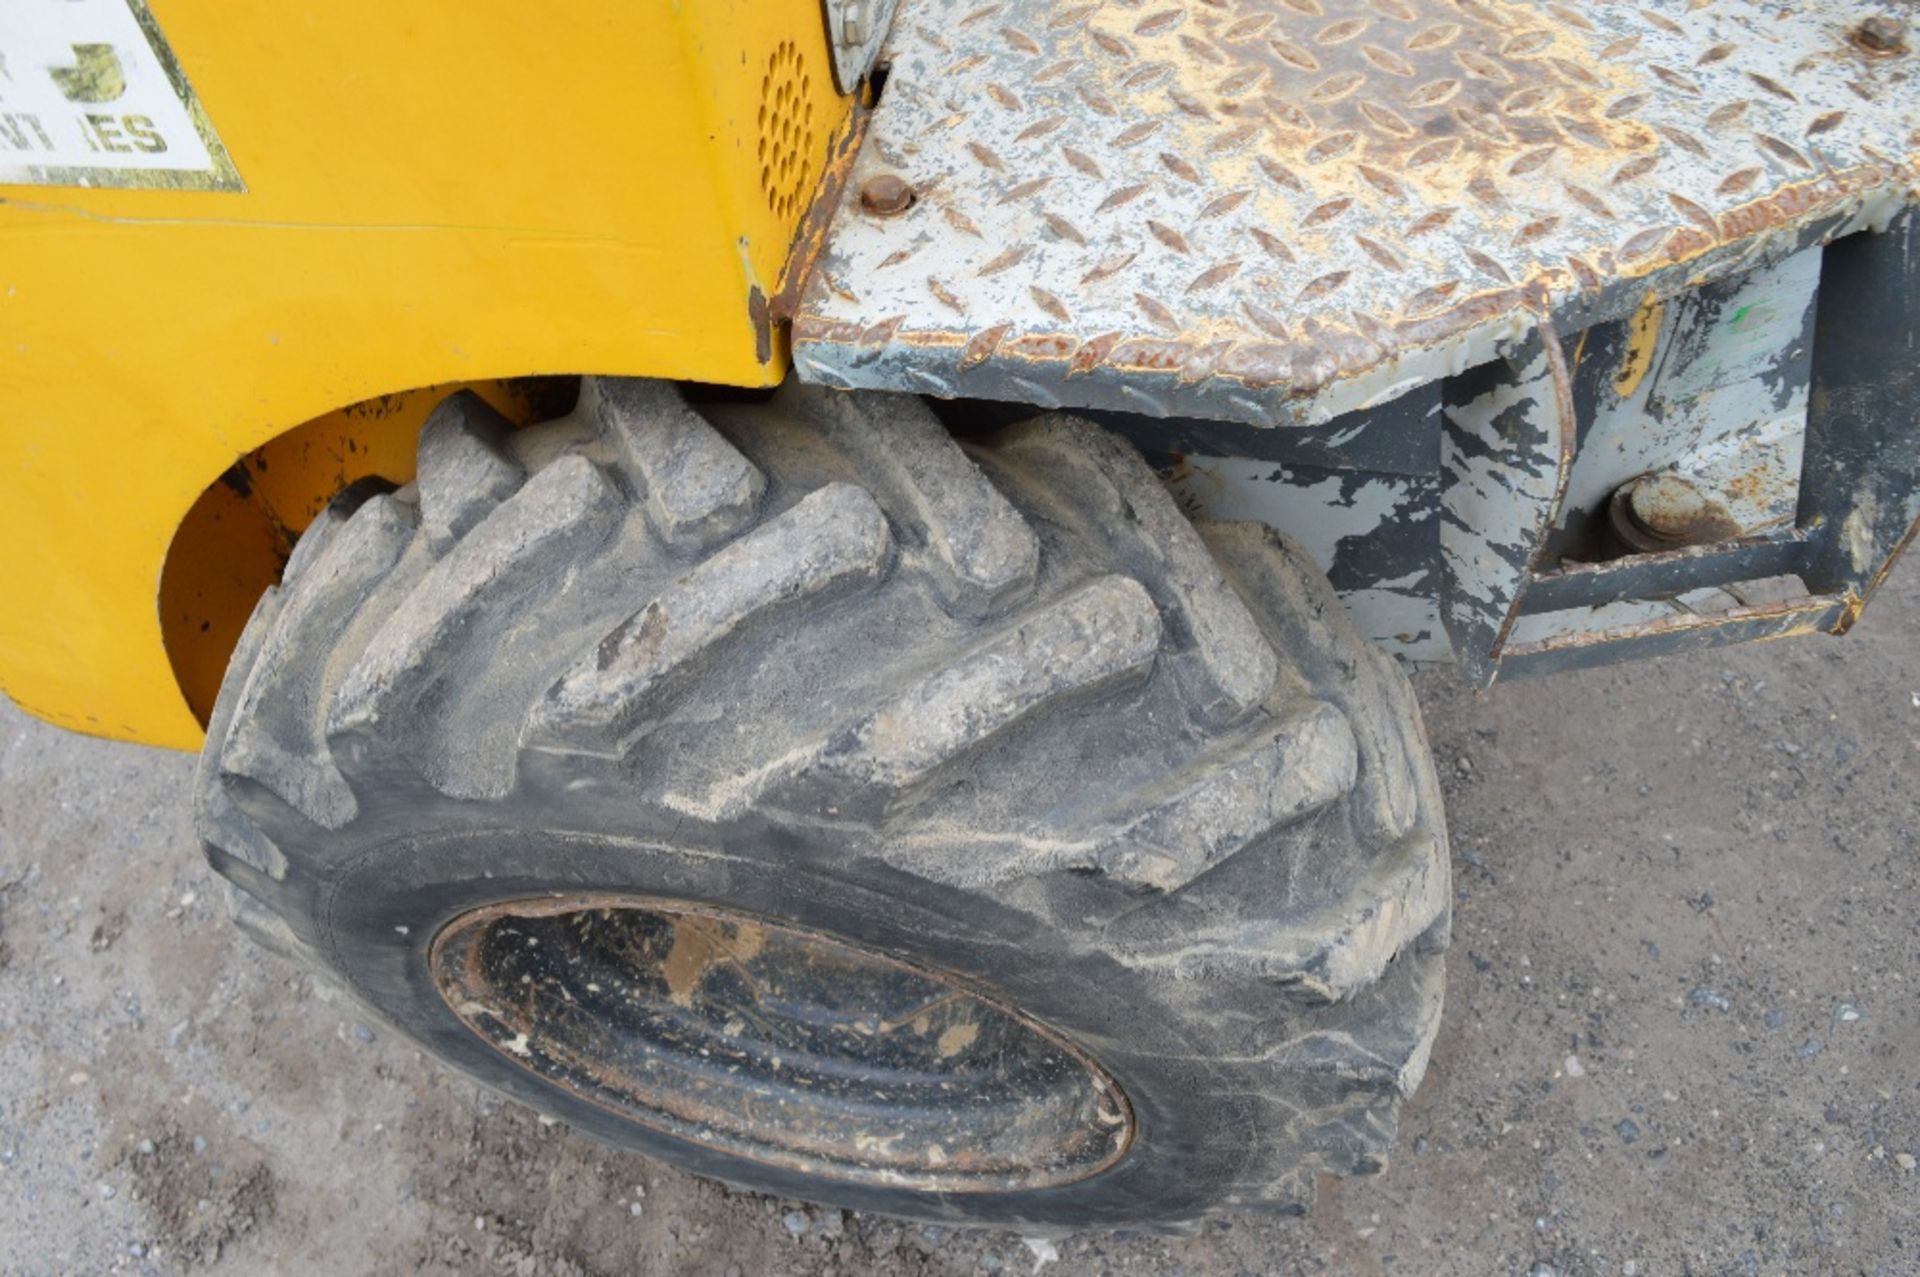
(1375, 535)
(1360, 495)
(1401, 437)
(856, 31)
(1678, 633)
(1711, 385)
(1646, 576)
(1505, 461)
(1860, 492)
(1276, 211)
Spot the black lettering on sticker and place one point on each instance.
(107, 129)
(145, 136)
(13, 132)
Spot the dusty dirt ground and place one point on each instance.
(1681, 1037)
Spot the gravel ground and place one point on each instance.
(1681, 1033)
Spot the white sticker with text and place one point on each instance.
(90, 95)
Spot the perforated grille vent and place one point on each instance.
(786, 130)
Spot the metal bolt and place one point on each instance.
(1663, 512)
(853, 23)
(886, 195)
(1883, 34)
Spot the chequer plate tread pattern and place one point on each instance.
(1274, 211)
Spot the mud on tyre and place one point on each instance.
(790, 791)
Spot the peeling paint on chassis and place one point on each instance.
(1445, 221)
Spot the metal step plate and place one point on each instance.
(1276, 211)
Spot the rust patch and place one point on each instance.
(1792, 618)
(761, 317)
(1659, 512)
(886, 195)
(699, 945)
(1881, 36)
(810, 237)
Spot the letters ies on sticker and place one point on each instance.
(90, 95)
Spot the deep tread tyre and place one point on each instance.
(996, 711)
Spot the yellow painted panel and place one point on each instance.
(236, 539)
(435, 192)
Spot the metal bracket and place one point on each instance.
(1859, 501)
(1464, 520)
(855, 31)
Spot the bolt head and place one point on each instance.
(1883, 33)
(886, 195)
(1662, 511)
(853, 23)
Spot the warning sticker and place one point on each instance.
(90, 95)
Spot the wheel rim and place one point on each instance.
(779, 1044)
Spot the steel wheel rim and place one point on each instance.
(780, 1044)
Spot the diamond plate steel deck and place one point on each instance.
(1275, 211)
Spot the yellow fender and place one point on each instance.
(418, 195)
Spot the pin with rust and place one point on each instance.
(886, 196)
(1882, 35)
(1665, 512)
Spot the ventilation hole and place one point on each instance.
(786, 130)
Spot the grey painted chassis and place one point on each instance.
(1421, 283)
(1462, 522)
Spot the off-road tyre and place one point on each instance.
(989, 707)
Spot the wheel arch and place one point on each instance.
(233, 541)
(125, 607)
(484, 191)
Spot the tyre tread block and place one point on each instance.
(277, 738)
(223, 827)
(982, 553)
(1100, 636)
(1292, 767)
(699, 488)
(1232, 667)
(463, 468)
(526, 542)
(833, 538)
